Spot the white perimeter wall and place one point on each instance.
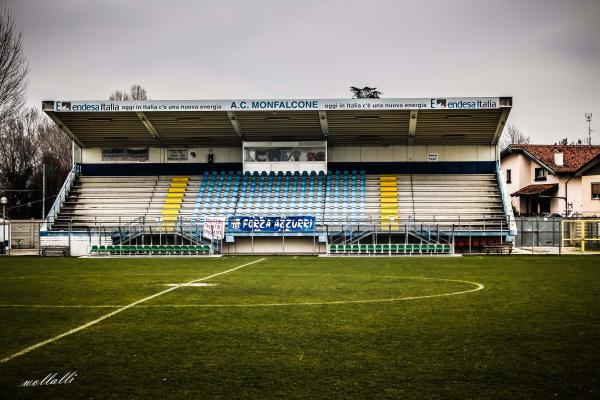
(80, 245)
(275, 245)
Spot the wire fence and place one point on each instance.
(538, 231)
(79, 239)
(467, 237)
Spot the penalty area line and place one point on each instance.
(115, 312)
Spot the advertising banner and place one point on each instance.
(429, 103)
(214, 228)
(271, 224)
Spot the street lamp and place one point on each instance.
(3, 200)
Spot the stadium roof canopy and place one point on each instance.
(418, 121)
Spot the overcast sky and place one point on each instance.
(544, 53)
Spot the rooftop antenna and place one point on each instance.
(588, 118)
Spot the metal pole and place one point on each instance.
(70, 228)
(38, 239)
(554, 232)
(43, 191)
(390, 238)
(379, 229)
(4, 226)
(326, 239)
(560, 244)
(532, 235)
(469, 238)
(582, 228)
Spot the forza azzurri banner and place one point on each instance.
(303, 223)
(429, 103)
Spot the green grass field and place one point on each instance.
(304, 327)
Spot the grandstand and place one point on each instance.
(367, 172)
(468, 200)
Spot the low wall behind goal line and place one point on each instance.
(79, 243)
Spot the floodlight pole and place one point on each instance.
(43, 191)
(4, 200)
(3, 225)
(3, 212)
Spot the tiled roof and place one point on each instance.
(536, 189)
(574, 156)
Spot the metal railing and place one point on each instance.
(62, 195)
(506, 204)
(139, 234)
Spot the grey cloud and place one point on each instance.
(543, 52)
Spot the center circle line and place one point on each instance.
(478, 286)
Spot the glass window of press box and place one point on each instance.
(125, 154)
(284, 154)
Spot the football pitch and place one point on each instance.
(317, 328)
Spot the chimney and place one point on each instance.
(558, 158)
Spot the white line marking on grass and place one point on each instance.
(478, 286)
(60, 306)
(84, 276)
(113, 313)
(197, 284)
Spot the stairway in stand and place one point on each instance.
(173, 201)
(388, 201)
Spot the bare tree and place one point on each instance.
(18, 153)
(136, 92)
(19, 157)
(13, 68)
(119, 95)
(27, 139)
(54, 144)
(55, 154)
(365, 93)
(513, 135)
(29, 142)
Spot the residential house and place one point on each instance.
(560, 179)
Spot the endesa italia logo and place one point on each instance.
(462, 103)
(69, 106)
(62, 106)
